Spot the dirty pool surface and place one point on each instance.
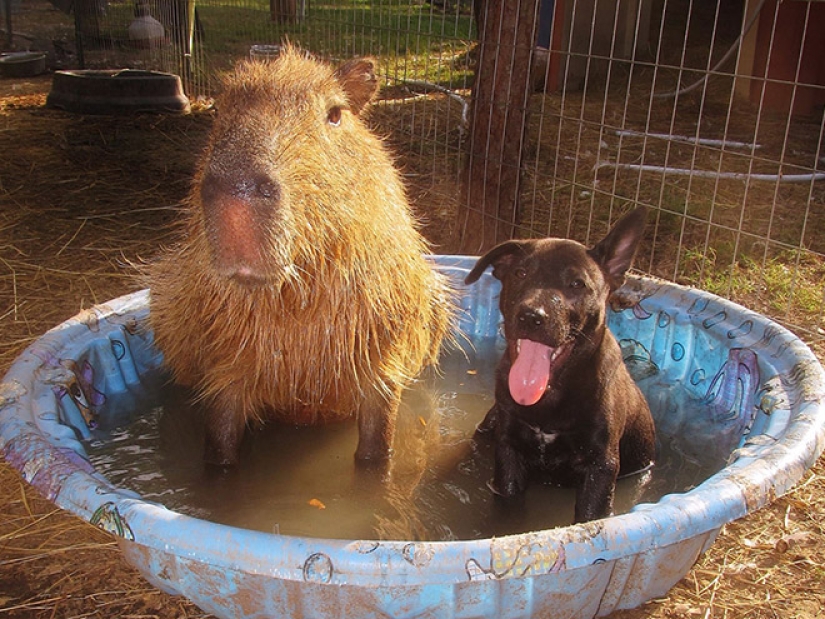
(303, 481)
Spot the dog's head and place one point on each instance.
(554, 299)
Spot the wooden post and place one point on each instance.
(490, 202)
(283, 11)
(9, 33)
(747, 51)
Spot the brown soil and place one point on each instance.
(80, 197)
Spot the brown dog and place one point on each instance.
(566, 408)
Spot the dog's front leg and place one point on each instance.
(510, 476)
(594, 497)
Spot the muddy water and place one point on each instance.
(303, 481)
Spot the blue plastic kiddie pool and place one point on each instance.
(750, 381)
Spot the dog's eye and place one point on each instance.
(520, 273)
(577, 284)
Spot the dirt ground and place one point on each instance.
(82, 196)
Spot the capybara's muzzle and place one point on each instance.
(237, 215)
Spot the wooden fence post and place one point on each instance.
(489, 208)
(283, 11)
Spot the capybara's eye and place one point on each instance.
(577, 283)
(334, 116)
(520, 273)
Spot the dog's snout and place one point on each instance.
(532, 317)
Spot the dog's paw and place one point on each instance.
(487, 425)
(491, 484)
(507, 488)
(483, 434)
(510, 497)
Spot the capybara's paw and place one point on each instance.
(372, 455)
(225, 428)
(218, 458)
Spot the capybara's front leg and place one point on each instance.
(225, 427)
(376, 426)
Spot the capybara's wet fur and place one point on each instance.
(299, 290)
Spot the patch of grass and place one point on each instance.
(795, 284)
(706, 270)
(412, 41)
(788, 284)
(406, 37)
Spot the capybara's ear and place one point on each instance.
(616, 251)
(501, 256)
(360, 83)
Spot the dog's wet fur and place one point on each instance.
(566, 409)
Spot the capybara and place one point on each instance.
(299, 290)
(566, 407)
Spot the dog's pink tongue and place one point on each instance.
(530, 372)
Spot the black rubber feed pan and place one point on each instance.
(124, 91)
(22, 64)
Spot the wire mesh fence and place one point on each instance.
(708, 113)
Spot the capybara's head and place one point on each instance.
(287, 164)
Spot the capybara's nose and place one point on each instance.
(250, 188)
(258, 186)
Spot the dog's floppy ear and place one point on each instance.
(500, 257)
(616, 251)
